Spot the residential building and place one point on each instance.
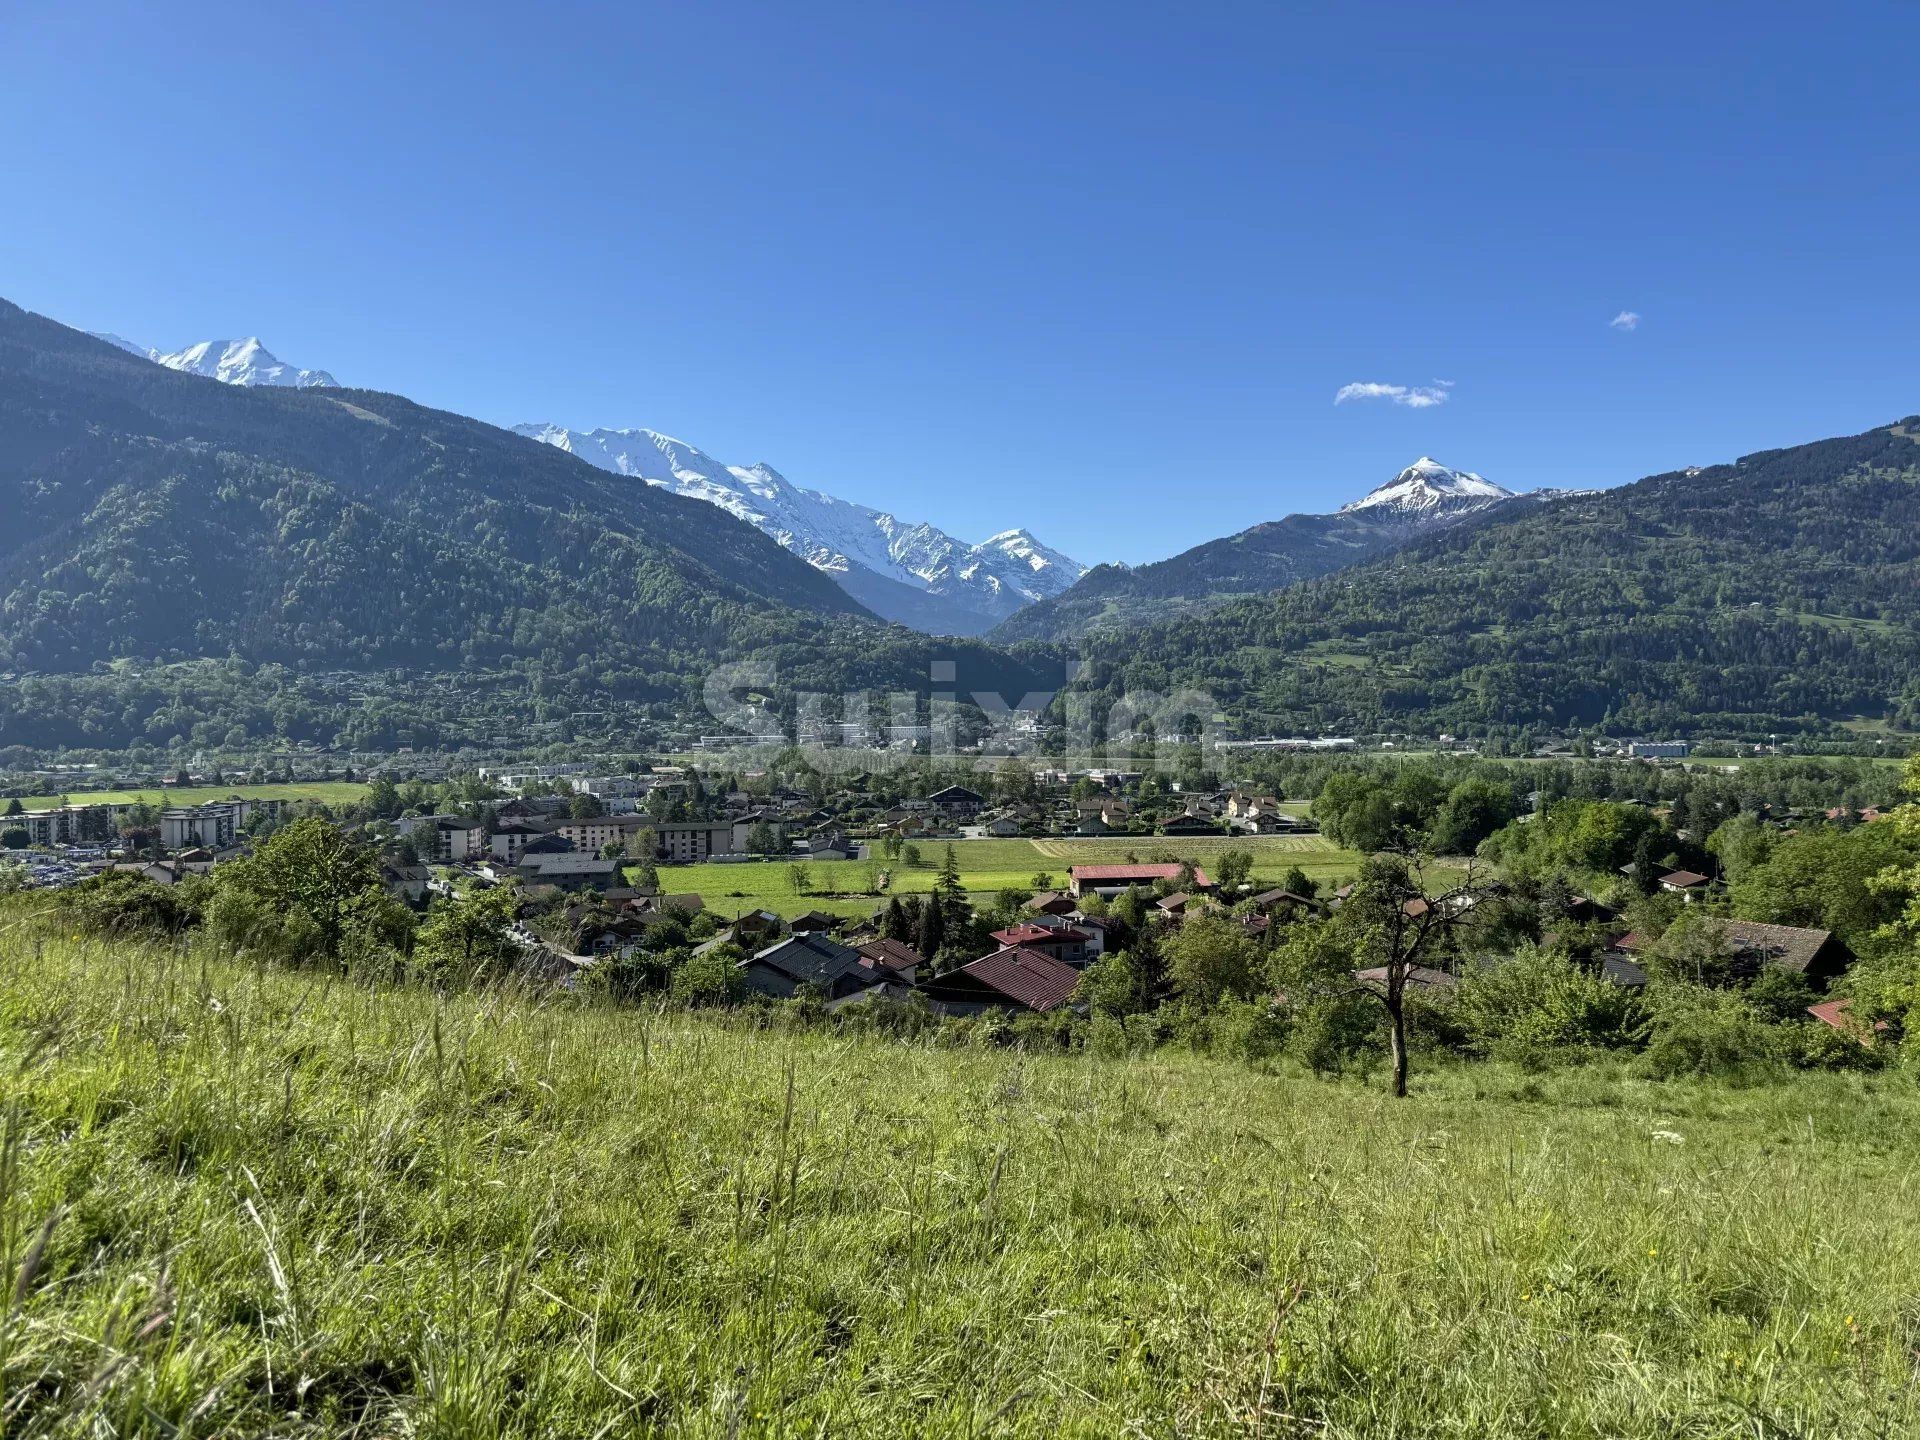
(1017, 979)
(1066, 943)
(215, 825)
(837, 971)
(66, 825)
(956, 802)
(1116, 879)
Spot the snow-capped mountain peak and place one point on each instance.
(232, 362)
(863, 548)
(1426, 486)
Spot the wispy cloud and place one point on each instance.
(1625, 320)
(1417, 397)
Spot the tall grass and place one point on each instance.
(241, 1202)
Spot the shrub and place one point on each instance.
(708, 980)
(1699, 1031)
(123, 905)
(1538, 1009)
(1250, 1030)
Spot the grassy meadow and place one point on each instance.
(841, 886)
(243, 1202)
(331, 792)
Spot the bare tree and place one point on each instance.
(1394, 926)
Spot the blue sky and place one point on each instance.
(1100, 270)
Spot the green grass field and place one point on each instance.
(840, 887)
(332, 792)
(237, 1202)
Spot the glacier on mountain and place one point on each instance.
(979, 584)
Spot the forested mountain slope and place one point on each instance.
(1780, 591)
(145, 512)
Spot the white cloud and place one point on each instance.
(1625, 320)
(1417, 397)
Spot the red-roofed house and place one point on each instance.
(1839, 1014)
(1063, 942)
(1113, 879)
(1016, 979)
(891, 957)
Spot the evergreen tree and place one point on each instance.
(895, 925)
(933, 928)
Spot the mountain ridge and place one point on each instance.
(961, 588)
(1275, 553)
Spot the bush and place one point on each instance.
(124, 905)
(708, 980)
(1539, 1009)
(1251, 1030)
(1810, 1045)
(1698, 1031)
(14, 837)
(1335, 1034)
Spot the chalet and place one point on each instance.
(891, 956)
(1583, 910)
(1068, 943)
(814, 922)
(837, 971)
(1286, 904)
(405, 882)
(1019, 979)
(1051, 902)
(1819, 955)
(1117, 879)
(1001, 827)
(1174, 905)
(1685, 883)
(956, 802)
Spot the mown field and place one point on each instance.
(238, 1202)
(841, 886)
(331, 792)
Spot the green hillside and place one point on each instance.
(241, 1202)
(1777, 593)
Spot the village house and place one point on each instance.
(1018, 979)
(1067, 943)
(897, 959)
(1111, 880)
(957, 803)
(837, 971)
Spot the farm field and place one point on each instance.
(271, 1203)
(331, 792)
(840, 887)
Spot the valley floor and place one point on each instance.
(274, 1203)
(846, 887)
